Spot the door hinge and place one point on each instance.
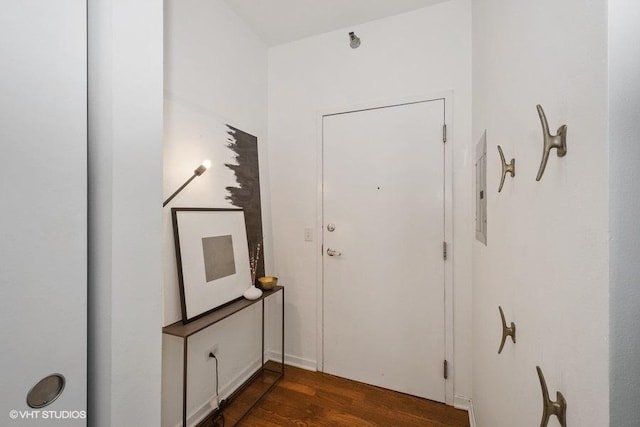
(444, 133)
(444, 250)
(446, 370)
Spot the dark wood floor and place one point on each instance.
(305, 399)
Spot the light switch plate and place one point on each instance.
(308, 234)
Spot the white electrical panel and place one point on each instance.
(481, 189)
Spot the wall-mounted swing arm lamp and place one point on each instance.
(197, 172)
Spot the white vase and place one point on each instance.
(252, 293)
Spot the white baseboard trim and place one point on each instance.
(466, 404)
(298, 362)
(461, 402)
(472, 416)
(197, 415)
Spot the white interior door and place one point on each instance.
(43, 192)
(383, 296)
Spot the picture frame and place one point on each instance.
(212, 256)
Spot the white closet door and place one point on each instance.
(43, 194)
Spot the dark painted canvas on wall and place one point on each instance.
(246, 194)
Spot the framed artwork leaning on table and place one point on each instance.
(212, 256)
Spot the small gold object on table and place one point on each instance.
(268, 282)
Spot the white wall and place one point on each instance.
(43, 188)
(624, 134)
(215, 74)
(125, 172)
(547, 258)
(418, 53)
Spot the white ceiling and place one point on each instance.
(282, 21)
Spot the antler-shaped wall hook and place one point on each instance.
(549, 408)
(558, 141)
(507, 331)
(506, 168)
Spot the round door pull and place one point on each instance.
(46, 391)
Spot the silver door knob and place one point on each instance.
(333, 252)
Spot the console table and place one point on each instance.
(184, 331)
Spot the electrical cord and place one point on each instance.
(222, 403)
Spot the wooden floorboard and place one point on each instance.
(309, 399)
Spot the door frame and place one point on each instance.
(447, 97)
